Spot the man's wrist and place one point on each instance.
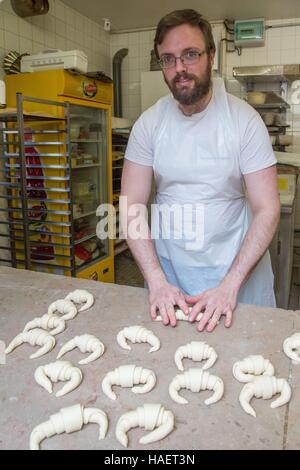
(156, 277)
(232, 283)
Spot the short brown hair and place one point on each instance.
(179, 17)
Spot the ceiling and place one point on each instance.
(134, 14)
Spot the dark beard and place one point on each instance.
(200, 89)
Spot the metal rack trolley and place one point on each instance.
(119, 143)
(21, 190)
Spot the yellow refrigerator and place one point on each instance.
(68, 166)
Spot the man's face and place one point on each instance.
(188, 83)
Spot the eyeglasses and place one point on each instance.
(190, 57)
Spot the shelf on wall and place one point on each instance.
(85, 141)
(88, 165)
(86, 214)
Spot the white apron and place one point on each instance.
(199, 168)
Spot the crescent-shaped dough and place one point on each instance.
(138, 334)
(148, 416)
(252, 366)
(47, 322)
(291, 347)
(68, 420)
(34, 337)
(86, 343)
(66, 307)
(197, 351)
(56, 371)
(265, 387)
(196, 380)
(127, 376)
(81, 296)
(181, 316)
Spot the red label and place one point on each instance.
(89, 89)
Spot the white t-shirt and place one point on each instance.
(256, 152)
(199, 161)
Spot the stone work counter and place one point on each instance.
(223, 425)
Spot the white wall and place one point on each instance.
(282, 46)
(61, 28)
(139, 46)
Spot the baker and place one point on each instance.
(216, 205)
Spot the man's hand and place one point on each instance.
(163, 297)
(213, 303)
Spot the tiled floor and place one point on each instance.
(126, 270)
(295, 292)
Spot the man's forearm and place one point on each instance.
(256, 242)
(146, 258)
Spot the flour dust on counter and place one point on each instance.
(139, 420)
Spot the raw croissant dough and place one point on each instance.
(81, 296)
(265, 387)
(66, 307)
(246, 370)
(197, 351)
(138, 334)
(291, 347)
(149, 416)
(86, 343)
(47, 322)
(127, 376)
(34, 337)
(68, 420)
(196, 380)
(181, 316)
(56, 371)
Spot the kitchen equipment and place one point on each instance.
(76, 169)
(282, 246)
(290, 217)
(267, 73)
(12, 62)
(288, 158)
(120, 136)
(74, 130)
(256, 97)
(249, 33)
(117, 80)
(268, 118)
(280, 120)
(2, 94)
(55, 59)
(30, 7)
(285, 139)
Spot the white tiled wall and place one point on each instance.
(282, 46)
(64, 28)
(61, 28)
(139, 46)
